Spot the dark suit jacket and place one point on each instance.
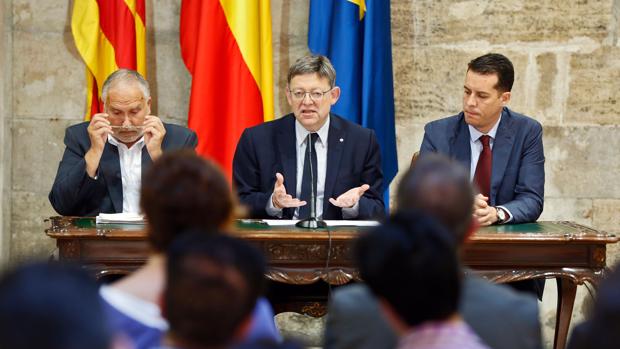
(74, 193)
(518, 172)
(271, 147)
(501, 317)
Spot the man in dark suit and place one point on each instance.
(101, 168)
(502, 149)
(501, 317)
(270, 171)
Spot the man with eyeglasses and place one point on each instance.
(101, 169)
(279, 165)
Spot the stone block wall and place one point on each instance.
(566, 55)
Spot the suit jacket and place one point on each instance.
(501, 317)
(74, 193)
(518, 172)
(353, 159)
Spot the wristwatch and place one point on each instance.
(502, 217)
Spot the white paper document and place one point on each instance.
(120, 218)
(330, 223)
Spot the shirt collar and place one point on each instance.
(301, 133)
(475, 134)
(115, 142)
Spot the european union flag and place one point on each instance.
(355, 35)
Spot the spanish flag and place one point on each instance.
(108, 34)
(226, 46)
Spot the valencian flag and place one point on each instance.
(355, 35)
(226, 46)
(108, 34)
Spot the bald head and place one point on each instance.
(441, 188)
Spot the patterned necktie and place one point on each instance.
(482, 177)
(308, 180)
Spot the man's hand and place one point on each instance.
(98, 131)
(280, 198)
(484, 214)
(154, 133)
(350, 198)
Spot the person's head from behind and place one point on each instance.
(488, 83)
(603, 328)
(182, 191)
(440, 188)
(213, 284)
(51, 306)
(311, 90)
(410, 263)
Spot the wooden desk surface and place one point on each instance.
(569, 252)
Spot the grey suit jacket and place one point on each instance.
(501, 317)
(518, 171)
(74, 193)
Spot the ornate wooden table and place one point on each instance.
(572, 254)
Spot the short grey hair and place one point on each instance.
(125, 75)
(311, 64)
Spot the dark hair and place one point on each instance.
(182, 191)
(441, 188)
(51, 306)
(602, 330)
(495, 63)
(411, 262)
(212, 287)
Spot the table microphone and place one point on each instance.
(311, 222)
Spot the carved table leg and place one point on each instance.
(566, 299)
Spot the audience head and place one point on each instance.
(182, 191)
(212, 287)
(410, 263)
(602, 330)
(51, 306)
(440, 188)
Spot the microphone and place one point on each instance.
(311, 222)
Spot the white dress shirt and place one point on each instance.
(131, 173)
(476, 148)
(301, 135)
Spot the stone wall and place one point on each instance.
(566, 55)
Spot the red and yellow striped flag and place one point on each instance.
(108, 34)
(226, 46)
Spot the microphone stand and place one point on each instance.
(311, 222)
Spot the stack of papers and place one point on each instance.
(120, 218)
(330, 223)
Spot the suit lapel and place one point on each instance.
(110, 167)
(287, 147)
(460, 147)
(146, 161)
(502, 147)
(334, 153)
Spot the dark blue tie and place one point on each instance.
(308, 180)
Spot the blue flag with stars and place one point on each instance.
(355, 36)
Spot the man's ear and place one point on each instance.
(334, 94)
(162, 306)
(505, 97)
